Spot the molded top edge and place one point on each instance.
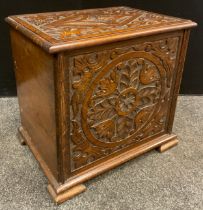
(67, 30)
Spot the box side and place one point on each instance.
(34, 70)
(177, 77)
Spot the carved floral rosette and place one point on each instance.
(119, 97)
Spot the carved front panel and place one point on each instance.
(119, 97)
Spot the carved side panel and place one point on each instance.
(119, 97)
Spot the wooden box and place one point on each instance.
(96, 88)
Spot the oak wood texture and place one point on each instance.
(60, 198)
(35, 88)
(89, 103)
(99, 168)
(81, 28)
(168, 145)
(125, 103)
(43, 164)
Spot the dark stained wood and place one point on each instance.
(61, 197)
(101, 129)
(62, 117)
(178, 77)
(65, 30)
(168, 145)
(34, 70)
(107, 95)
(119, 159)
(44, 165)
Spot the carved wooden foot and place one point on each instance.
(60, 198)
(167, 145)
(21, 137)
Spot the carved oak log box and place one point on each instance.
(96, 88)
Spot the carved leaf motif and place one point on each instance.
(105, 129)
(148, 95)
(169, 47)
(91, 62)
(129, 75)
(76, 135)
(83, 152)
(96, 61)
(142, 117)
(107, 85)
(83, 82)
(77, 95)
(103, 110)
(124, 125)
(80, 65)
(148, 75)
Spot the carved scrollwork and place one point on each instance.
(119, 97)
(69, 26)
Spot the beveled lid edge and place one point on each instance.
(46, 45)
(55, 48)
(115, 38)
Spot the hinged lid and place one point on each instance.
(58, 31)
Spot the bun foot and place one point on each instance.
(66, 195)
(21, 137)
(167, 145)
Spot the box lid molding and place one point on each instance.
(135, 20)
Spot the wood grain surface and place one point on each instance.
(78, 28)
(107, 94)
